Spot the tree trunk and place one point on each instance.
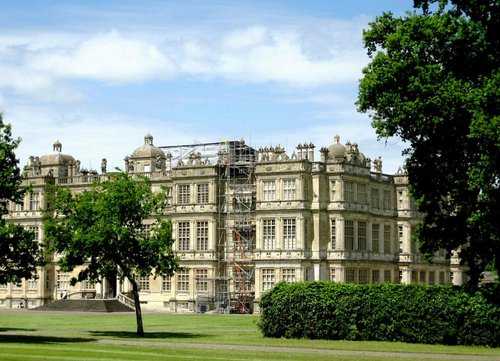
(137, 304)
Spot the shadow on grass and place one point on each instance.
(155, 335)
(35, 339)
(10, 329)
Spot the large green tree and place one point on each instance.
(434, 82)
(20, 253)
(103, 231)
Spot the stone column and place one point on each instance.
(340, 234)
(301, 244)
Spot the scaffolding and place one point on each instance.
(237, 233)
(232, 285)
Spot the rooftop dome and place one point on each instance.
(336, 150)
(56, 157)
(148, 150)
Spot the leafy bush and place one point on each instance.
(379, 312)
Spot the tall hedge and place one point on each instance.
(379, 312)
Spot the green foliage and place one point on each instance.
(103, 230)
(434, 82)
(379, 312)
(20, 253)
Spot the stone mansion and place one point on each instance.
(245, 219)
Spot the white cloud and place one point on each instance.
(309, 56)
(263, 54)
(109, 57)
(246, 38)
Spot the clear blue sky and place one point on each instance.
(99, 75)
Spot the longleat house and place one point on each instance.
(245, 219)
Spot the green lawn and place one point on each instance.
(31, 335)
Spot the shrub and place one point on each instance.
(379, 312)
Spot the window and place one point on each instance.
(441, 278)
(145, 231)
(387, 276)
(375, 237)
(422, 277)
(268, 279)
(361, 193)
(289, 189)
(36, 231)
(400, 200)
(400, 238)
(333, 275)
(243, 237)
(183, 305)
(269, 234)
(363, 276)
(87, 285)
(166, 284)
(32, 284)
(387, 239)
(184, 194)
(202, 194)
(269, 190)
(333, 233)
(183, 236)
(19, 206)
(143, 283)
(34, 201)
(349, 275)
(183, 281)
(432, 277)
(243, 279)
(308, 274)
(375, 276)
(202, 280)
(289, 275)
(62, 281)
(414, 276)
(202, 236)
(349, 235)
(387, 199)
(289, 235)
(375, 198)
(349, 191)
(362, 235)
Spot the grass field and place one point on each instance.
(30, 335)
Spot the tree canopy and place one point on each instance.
(20, 252)
(434, 82)
(104, 231)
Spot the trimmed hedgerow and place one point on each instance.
(379, 312)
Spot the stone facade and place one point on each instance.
(245, 219)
